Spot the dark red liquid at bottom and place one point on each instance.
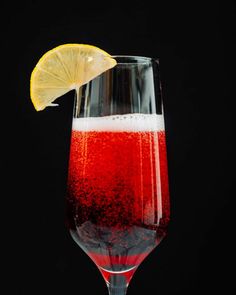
(118, 198)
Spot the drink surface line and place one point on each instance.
(120, 123)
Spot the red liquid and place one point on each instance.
(118, 198)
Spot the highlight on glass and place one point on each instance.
(117, 192)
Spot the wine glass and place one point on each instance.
(117, 193)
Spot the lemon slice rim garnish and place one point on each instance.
(64, 68)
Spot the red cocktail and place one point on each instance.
(118, 198)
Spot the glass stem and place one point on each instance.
(117, 290)
(117, 285)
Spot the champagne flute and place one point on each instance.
(117, 192)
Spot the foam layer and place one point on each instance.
(129, 122)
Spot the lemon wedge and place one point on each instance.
(64, 68)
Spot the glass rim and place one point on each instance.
(134, 59)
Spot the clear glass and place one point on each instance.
(117, 194)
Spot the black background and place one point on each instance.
(195, 44)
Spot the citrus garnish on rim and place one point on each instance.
(64, 68)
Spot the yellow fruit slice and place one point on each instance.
(64, 68)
